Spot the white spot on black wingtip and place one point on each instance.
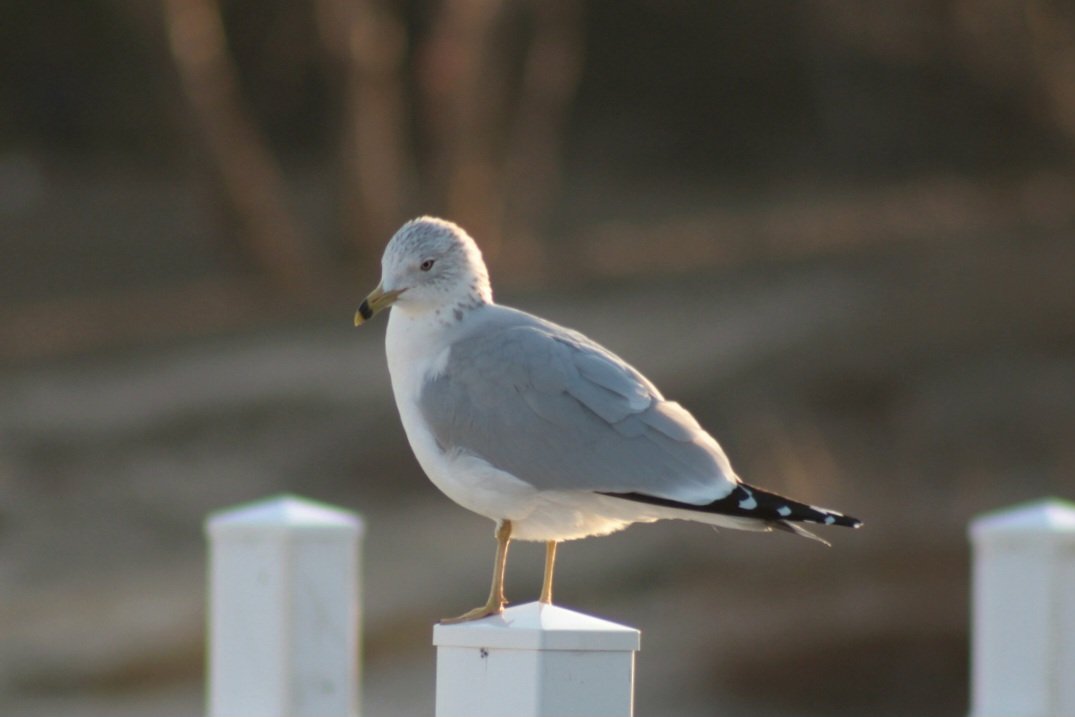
(783, 511)
(829, 520)
(748, 503)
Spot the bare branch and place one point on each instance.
(367, 37)
(1052, 38)
(253, 183)
(463, 91)
(550, 79)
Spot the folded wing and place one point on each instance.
(554, 409)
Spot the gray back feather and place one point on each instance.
(556, 410)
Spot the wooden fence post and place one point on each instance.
(1023, 612)
(283, 610)
(535, 660)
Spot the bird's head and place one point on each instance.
(428, 264)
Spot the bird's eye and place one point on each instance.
(426, 265)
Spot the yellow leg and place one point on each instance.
(550, 560)
(495, 604)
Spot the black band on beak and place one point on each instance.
(365, 311)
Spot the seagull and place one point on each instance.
(536, 426)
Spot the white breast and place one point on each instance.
(466, 479)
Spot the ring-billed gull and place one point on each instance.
(537, 427)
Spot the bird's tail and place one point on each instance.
(748, 502)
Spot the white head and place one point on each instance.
(429, 264)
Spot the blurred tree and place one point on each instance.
(463, 107)
(1024, 51)
(497, 80)
(368, 40)
(252, 182)
(462, 83)
(550, 78)
(1051, 28)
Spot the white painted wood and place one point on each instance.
(535, 660)
(1023, 612)
(283, 610)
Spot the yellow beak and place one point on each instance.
(377, 300)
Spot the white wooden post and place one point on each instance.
(1023, 612)
(283, 610)
(535, 660)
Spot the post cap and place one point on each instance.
(283, 512)
(537, 626)
(1047, 516)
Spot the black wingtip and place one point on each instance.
(746, 501)
(831, 517)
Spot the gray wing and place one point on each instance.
(556, 410)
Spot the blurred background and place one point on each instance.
(839, 233)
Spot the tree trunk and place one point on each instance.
(367, 38)
(253, 184)
(550, 78)
(534, 153)
(462, 90)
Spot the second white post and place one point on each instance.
(283, 610)
(1023, 644)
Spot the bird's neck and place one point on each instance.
(445, 314)
(411, 330)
